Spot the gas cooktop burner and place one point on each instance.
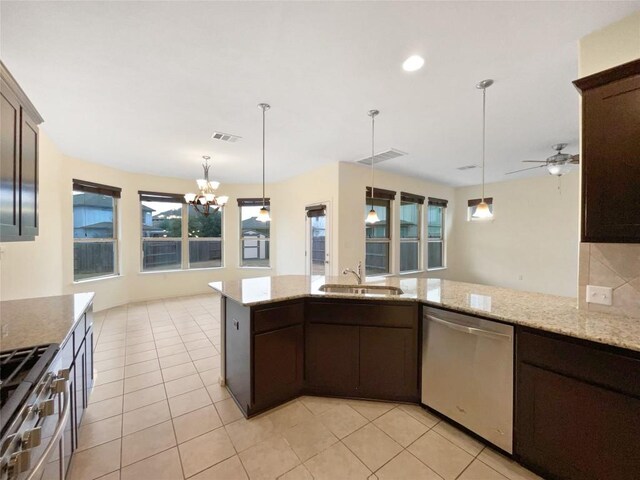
(20, 370)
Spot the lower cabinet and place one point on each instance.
(362, 349)
(577, 409)
(332, 359)
(278, 365)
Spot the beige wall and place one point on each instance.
(314, 187)
(354, 179)
(611, 265)
(45, 267)
(532, 242)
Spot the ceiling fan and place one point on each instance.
(557, 164)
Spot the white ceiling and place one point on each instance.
(142, 85)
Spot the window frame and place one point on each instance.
(185, 261)
(384, 196)
(253, 202)
(84, 187)
(418, 200)
(442, 204)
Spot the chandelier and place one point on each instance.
(206, 201)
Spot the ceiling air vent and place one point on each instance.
(225, 137)
(383, 156)
(468, 167)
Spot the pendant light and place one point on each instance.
(482, 210)
(263, 215)
(372, 217)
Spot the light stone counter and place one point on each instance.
(545, 312)
(40, 321)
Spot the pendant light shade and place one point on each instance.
(372, 217)
(263, 215)
(482, 210)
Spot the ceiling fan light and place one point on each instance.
(263, 215)
(558, 169)
(372, 217)
(482, 211)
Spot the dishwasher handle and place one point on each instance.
(466, 329)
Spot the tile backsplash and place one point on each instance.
(615, 265)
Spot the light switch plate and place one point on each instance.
(601, 295)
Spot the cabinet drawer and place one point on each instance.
(591, 364)
(278, 316)
(366, 314)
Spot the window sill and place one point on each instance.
(254, 268)
(181, 270)
(411, 272)
(96, 279)
(436, 269)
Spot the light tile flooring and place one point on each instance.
(157, 412)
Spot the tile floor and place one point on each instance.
(157, 412)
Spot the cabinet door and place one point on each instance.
(388, 363)
(572, 429)
(332, 359)
(28, 177)
(278, 365)
(9, 186)
(611, 162)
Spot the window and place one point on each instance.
(175, 237)
(378, 235)
(435, 233)
(410, 207)
(473, 204)
(254, 235)
(95, 233)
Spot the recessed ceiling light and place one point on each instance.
(413, 63)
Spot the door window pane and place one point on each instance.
(318, 244)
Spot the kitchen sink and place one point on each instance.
(361, 289)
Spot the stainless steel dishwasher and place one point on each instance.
(467, 373)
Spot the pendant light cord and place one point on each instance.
(263, 149)
(484, 120)
(373, 122)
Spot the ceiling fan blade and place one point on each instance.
(523, 169)
(534, 161)
(575, 159)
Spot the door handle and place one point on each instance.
(236, 324)
(471, 330)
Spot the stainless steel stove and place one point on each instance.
(34, 411)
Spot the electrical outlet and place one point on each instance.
(601, 295)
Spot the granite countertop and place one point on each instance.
(545, 312)
(40, 321)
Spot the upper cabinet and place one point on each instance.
(18, 161)
(610, 154)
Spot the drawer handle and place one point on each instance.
(471, 330)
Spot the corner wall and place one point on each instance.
(532, 242)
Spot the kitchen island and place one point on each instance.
(576, 389)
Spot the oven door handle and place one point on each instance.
(57, 433)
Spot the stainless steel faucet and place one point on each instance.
(357, 274)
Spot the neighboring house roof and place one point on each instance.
(147, 209)
(253, 224)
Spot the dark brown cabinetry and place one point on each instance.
(577, 408)
(19, 122)
(362, 349)
(264, 361)
(610, 154)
